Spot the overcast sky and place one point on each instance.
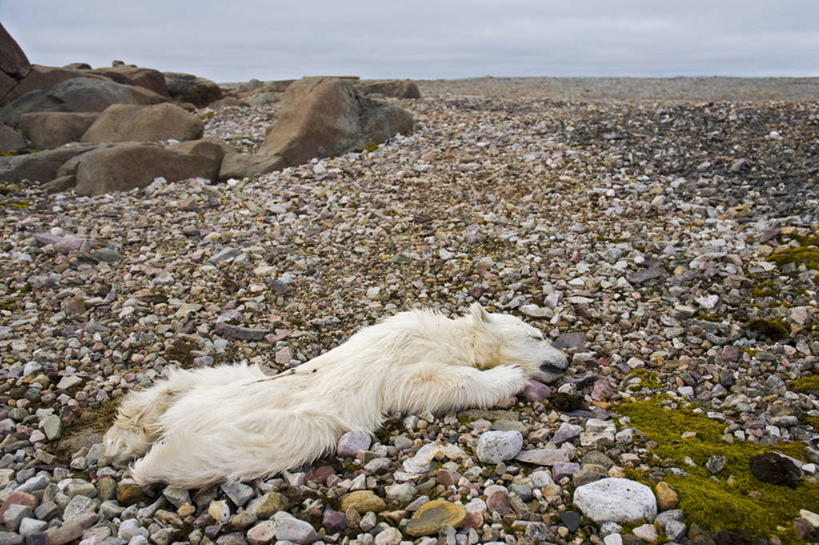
(235, 40)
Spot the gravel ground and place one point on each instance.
(669, 246)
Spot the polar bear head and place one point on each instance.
(511, 341)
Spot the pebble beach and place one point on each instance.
(665, 233)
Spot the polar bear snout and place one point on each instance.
(556, 359)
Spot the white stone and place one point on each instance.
(646, 532)
(540, 478)
(289, 528)
(498, 446)
(68, 381)
(810, 517)
(619, 500)
(389, 536)
(352, 442)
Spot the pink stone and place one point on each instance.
(602, 390)
(18, 498)
(319, 474)
(497, 499)
(352, 442)
(536, 391)
(284, 355)
(262, 534)
(475, 510)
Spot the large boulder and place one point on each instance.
(257, 93)
(77, 95)
(320, 117)
(129, 123)
(41, 166)
(126, 166)
(396, 88)
(7, 84)
(189, 88)
(10, 140)
(148, 78)
(43, 77)
(13, 60)
(48, 130)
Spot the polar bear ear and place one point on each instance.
(479, 314)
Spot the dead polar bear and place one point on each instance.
(235, 422)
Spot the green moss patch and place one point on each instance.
(803, 240)
(765, 288)
(803, 255)
(805, 384)
(648, 378)
(734, 499)
(773, 329)
(24, 151)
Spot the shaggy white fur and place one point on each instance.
(235, 422)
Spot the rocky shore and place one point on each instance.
(668, 244)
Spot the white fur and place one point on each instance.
(237, 423)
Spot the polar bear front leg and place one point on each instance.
(438, 388)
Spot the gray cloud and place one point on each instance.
(238, 40)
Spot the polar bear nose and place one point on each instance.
(556, 359)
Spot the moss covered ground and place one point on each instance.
(733, 500)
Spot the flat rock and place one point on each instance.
(133, 123)
(126, 166)
(362, 501)
(41, 166)
(431, 516)
(48, 130)
(618, 500)
(543, 456)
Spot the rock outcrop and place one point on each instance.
(138, 76)
(320, 117)
(395, 88)
(48, 130)
(10, 140)
(126, 166)
(13, 60)
(43, 77)
(14, 64)
(189, 88)
(130, 123)
(77, 95)
(41, 166)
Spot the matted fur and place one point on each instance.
(235, 422)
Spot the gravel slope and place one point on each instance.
(666, 245)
